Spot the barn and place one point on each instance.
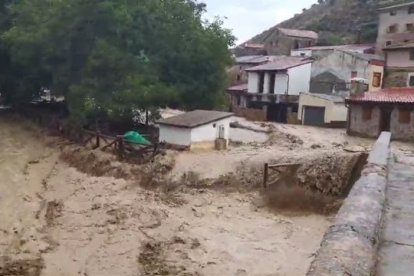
(199, 129)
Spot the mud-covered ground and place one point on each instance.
(63, 215)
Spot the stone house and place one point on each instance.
(396, 25)
(332, 73)
(391, 109)
(273, 88)
(281, 41)
(399, 59)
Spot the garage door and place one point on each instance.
(314, 116)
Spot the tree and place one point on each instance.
(114, 57)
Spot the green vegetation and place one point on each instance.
(112, 57)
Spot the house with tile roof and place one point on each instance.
(281, 41)
(390, 109)
(273, 88)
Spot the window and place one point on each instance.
(238, 77)
(354, 74)
(261, 82)
(388, 43)
(272, 83)
(412, 55)
(411, 10)
(410, 80)
(376, 80)
(404, 116)
(367, 113)
(410, 27)
(393, 29)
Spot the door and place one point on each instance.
(385, 124)
(313, 116)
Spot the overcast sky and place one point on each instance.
(250, 17)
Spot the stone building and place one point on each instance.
(396, 25)
(390, 109)
(399, 65)
(281, 41)
(319, 52)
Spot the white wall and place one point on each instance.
(175, 135)
(281, 84)
(300, 77)
(334, 112)
(210, 132)
(342, 65)
(253, 82)
(300, 53)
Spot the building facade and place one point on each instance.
(399, 65)
(387, 110)
(332, 73)
(198, 129)
(396, 25)
(322, 110)
(274, 88)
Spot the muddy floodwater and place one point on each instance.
(56, 220)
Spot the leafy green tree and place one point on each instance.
(114, 57)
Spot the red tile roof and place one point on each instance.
(299, 33)
(281, 63)
(388, 95)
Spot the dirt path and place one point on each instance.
(77, 224)
(25, 164)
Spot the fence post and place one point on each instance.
(98, 140)
(121, 147)
(266, 175)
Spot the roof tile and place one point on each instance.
(388, 95)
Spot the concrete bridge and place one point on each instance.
(373, 233)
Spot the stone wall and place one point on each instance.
(357, 126)
(396, 78)
(349, 246)
(251, 114)
(402, 131)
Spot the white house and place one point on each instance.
(285, 76)
(197, 129)
(322, 110)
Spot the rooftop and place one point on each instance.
(194, 118)
(299, 33)
(239, 88)
(388, 95)
(367, 57)
(347, 47)
(393, 7)
(281, 63)
(328, 97)
(253, 59)
(406, 45)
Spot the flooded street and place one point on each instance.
(56, 220)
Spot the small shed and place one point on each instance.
(322, 110)
(195, 129)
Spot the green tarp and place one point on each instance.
(136, 138)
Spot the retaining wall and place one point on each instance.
(349, 246)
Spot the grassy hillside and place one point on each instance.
(337, 21)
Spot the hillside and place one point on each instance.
(337, 21)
